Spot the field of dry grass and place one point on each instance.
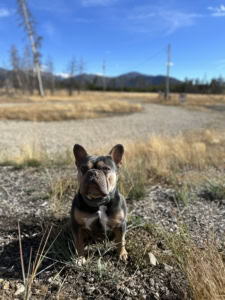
(67, 111)
(92, 105)
(165, 159)
(62, 107)
(195, 101)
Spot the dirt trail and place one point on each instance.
(94, 133)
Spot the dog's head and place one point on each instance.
(97, 175)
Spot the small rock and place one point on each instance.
(167, 268)
(1, 280)
(132, 283)
(20, 289)
(6, 285)
(152, 282)
(89, 289)
(152, 259)
(142, 291)
(50, 279)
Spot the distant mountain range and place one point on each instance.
(129, 80)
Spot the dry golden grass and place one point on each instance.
(194, 101)
(204, 267)
(196, 150)
(92, 104)
(62, 95)
(166, 159)
(183, 158)
(171, 159)
(66, 111)
(192, 159)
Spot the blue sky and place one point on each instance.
(129, 35)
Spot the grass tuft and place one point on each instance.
(203, 266)
(214, 189)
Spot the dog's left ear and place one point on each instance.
(117, 153)
(79, 152)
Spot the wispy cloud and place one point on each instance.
(152, 19)
(217, 11)
(4, 12)
(97, 2)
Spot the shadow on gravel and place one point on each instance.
(33, 233)
(103, 277)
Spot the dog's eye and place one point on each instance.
(84, 169)
(106, 169)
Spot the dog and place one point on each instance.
(98, 207)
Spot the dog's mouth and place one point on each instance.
(96, 194)
(96, 191)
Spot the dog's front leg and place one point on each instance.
(79, 243)
(120, 241)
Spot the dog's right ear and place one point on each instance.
(79, 152)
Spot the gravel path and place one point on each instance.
(93, 133)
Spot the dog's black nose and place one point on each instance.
(92, 174)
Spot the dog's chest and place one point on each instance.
(100, 216)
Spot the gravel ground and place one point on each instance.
(29, 195)
(94, 133)
(27, 200)
(25, 194)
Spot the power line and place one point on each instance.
(168, 74)
(149, 58)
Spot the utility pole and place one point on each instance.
(104, 75)
(26, 15)
(167, 91)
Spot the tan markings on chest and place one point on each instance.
(108, 223)
(86, 220)
(116, 219)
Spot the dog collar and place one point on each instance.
(100, 201)
(97, 202)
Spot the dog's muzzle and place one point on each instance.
(94, 185)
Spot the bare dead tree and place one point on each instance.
(167, 91)
(35, 40)
(15, 63)
(28, 70)
(72, 67)
(50, 75)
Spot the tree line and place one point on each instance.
(22, 75)
(26, 74)
(22, 78)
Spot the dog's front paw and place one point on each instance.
(123, 254)
(80, 261)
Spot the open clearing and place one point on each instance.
(176, 207)
(56, 137)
